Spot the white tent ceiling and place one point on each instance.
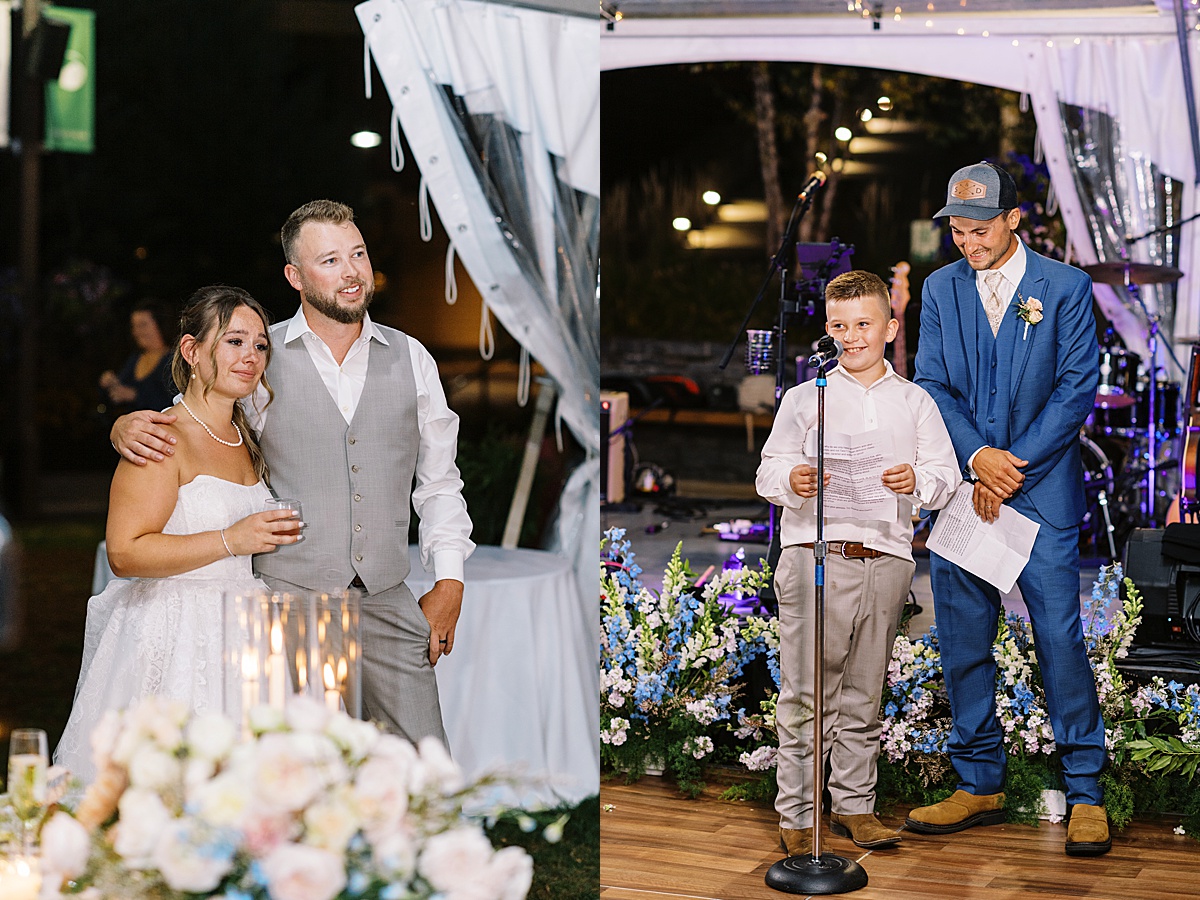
(1121, 59)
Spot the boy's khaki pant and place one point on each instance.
(864, 599)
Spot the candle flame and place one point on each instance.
(330, 683)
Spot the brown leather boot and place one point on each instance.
(864, 829)
(796, 841)
(1087, 830)
(958, 811)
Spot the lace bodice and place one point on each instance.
(208, 503)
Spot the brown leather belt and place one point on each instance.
(850, 550)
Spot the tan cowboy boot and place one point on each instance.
(958, 811)
(1087, 830)
(796, 841)
(864, 829)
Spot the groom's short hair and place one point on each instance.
(329, 211)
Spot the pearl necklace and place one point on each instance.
(236, 443)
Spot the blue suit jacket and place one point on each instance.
(1051, 385)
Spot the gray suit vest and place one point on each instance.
(355, 480)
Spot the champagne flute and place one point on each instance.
(287, 503)
(28, 760)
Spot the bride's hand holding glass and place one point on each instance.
(263, 532)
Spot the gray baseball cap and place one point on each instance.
(981, 191)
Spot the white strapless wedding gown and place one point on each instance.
(163, 635)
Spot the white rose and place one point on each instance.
(455, 860)
(142, 818)
(511, 869)
(437, 769)
(104, 739)
(224, 799)
(331, 821)
(306, 713)
(381, 791)
(196, 772)
(294, 872)
(153, 769)
(191, 857)
(265, 718)
(292, 769)
(353, 736)
(210, 736)
(65, 846)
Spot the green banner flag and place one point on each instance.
(71, 100)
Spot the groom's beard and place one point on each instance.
(328, 305)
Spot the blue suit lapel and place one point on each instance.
(1032, 285)
(968, 308)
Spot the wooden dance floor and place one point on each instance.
(655, 845)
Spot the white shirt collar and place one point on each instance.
(888, 372)
(298, 326)
(1013, 270)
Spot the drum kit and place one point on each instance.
(1131, 442)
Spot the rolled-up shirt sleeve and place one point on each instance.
(445, 529)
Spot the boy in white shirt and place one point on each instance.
(868, 567)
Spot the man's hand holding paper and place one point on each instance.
(995, 550)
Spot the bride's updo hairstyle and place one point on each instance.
(208, 312)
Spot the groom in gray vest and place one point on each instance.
(358, 428)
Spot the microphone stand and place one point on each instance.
(786, 307)
(819, 873)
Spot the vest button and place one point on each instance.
(355, 468)
(358, 557)
(358, 528)
(993, 391)
(357, 497)
(991, 420)
(353, 441)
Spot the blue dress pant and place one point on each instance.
(967, 610)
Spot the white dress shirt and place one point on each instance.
(445, 527)
(892, 404)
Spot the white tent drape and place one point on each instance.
(501, 109)
(5, 67)
(1127, 66)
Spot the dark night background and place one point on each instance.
(213, 122)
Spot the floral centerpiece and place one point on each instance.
(314, 805)
(669, 661)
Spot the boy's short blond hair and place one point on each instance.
(855, 284)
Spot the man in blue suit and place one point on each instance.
(1008, 352)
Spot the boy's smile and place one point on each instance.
(865, 330)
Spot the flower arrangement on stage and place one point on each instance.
(670, 661)
(314, 805)
(1152, 731)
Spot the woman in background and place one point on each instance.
(144, 382)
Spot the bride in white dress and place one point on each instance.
(182, 532)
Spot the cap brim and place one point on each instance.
(967, 212)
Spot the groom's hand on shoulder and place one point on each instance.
(140, 437)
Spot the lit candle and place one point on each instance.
(249, 686)
(20, 879)
(332, 697)
(275, 668)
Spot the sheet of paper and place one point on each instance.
(994, 551)
(855, 464)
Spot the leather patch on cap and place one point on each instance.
(968, 190)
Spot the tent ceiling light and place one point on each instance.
(365, 140)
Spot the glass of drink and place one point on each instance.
(28, 760)
(287, 503)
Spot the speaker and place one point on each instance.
(1170, 592)
(614, 413)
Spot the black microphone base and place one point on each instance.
(826, 874)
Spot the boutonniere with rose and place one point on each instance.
(1030, 311)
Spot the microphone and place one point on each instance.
(829, 349)
(814, 184)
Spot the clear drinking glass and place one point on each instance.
(286, 503)
(28, 760)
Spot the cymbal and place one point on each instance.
(1139, 273)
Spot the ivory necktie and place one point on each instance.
(992, 304)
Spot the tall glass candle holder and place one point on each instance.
(283, 644)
